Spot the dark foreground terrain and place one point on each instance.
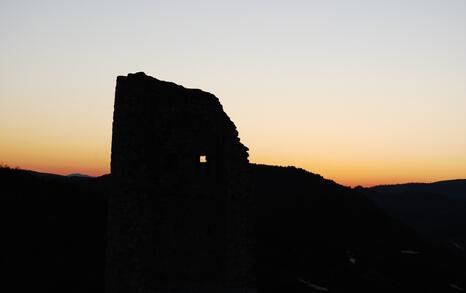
(313, 235)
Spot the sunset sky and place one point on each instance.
(361, 92)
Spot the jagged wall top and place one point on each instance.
(160, 129)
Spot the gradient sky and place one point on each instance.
(362, 92)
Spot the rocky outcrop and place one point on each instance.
(178, 218)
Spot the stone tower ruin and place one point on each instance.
(178, 218)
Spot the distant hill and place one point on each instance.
(454, 189)
(79, 175)
(437, 210)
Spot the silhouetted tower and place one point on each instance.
(179, 217)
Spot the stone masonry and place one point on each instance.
(179, 216)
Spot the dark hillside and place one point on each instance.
(436, 210)
(312, 235)
(314, 232)
(53, 232)
(453, 189)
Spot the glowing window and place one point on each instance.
(203, 159)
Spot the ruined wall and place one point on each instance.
(176, 222)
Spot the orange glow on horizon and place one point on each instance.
(60, 169)
(88, 152)
(102, 170)
(65, 149)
